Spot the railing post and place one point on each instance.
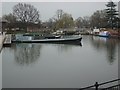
(96, 86)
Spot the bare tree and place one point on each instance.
(79, 22)
(98, 19)
(10, 18)
(86, 21)
(26, 13)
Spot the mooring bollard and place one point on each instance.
(96, 86)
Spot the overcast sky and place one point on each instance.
(48, 9)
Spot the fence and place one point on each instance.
(96, 86)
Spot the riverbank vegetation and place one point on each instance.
(26, 19)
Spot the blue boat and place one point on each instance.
(104, 34)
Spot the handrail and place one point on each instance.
(111, 87)
(87, 87)
(96, 85)
(109, 82)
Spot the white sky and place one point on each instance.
(48, 9)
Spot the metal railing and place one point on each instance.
(96, 86)
(115, 87)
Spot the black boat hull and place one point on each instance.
(58, 41)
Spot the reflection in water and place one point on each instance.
(68, 47)
(110, 46)
(26, 54)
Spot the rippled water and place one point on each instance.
(60, 65)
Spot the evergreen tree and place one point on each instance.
(112, 14)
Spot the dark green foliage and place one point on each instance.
(112, 14)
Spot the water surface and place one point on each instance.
(60, 65)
